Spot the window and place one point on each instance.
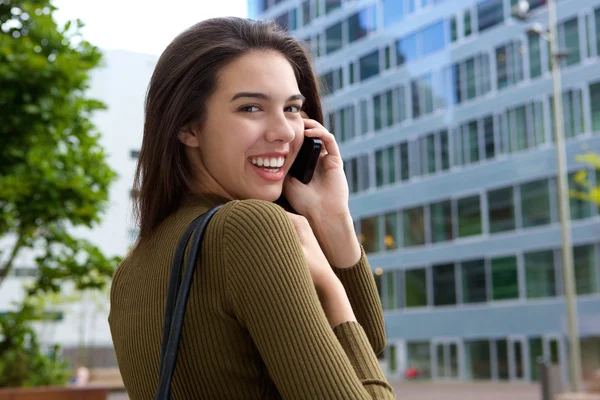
(388, 57)
(134, 154)
(488, 137)
(352, 74)
(333, 38)
(540, 276)
(489, 14)
(570, 39)
(445, 150)
(389, 106)
(379, 168)
(327, 83)
(283, 21)
(535, 55)
(501, 210)
(579, 208)
(414, 227)
(358, 174)
(597, 15)
(404, 162)
(453, 30)
(377, 111)
(474, 282)
(306, 12)
(391, 231)
(419, 357)
(361, 24)
(293, 15)
(572, 112)
(416, 288)
(457, 78)
(393, 11)
(364, 117)
(406, 49)
(331, 5)
(441, 222)
(390, 293)
(427, 147)
(391, 164)
(517, 128)
(509, 64)
(505, 281)
(467, 20)
(586, 269)
(422, 96)
(467, 143)
(444, 285)
(433, 38)
(471, 80)
(369, 65)
(369, 234)
(469, 216)
(535, 203)
(478, 360)
(347, 126)
(401, 103)
(595, 96)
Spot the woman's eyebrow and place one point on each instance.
(263, 96)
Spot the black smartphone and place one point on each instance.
(304, 166)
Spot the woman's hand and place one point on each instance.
(324, 201)
(320, 270)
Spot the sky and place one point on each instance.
(143, 26)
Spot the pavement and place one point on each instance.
(451, 391)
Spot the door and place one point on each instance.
(446, 359)
(517, 358)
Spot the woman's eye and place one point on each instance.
(249, 109)
(294, 109)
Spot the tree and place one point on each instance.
(584, 189)
(53, 173)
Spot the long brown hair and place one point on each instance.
(183, 80)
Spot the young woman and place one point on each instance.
(282, 305)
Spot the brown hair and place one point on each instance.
(183, 80)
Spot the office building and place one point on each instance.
(443, 112)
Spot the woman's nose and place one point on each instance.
(280, 129)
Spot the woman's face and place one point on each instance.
(252, 131)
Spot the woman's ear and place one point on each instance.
(189, 137)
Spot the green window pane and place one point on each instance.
(419, 358)
(414, 227)
(404, 162)
(535, 56)
(505, 281)
(478, 365)
(469, 216)
(520, 142)
(389, 102)
(441, 222)
(473, 139)
(502, 359)
(474, 282)
(390, 240)
(379, 168)
(444, 285)
(364, 117)
(306, 12)
(586, 269)
(333, 38)
(377, 110)
(390, 290)
(369, 234)
(354, 169)
(540, 275)
(595, 95)
(391, 158)
(471, 79)
(597, 14)
(580, 208)
(388, 59)
(430, 152)
(501, 210)
(468, 26)
(453, 30)
(352, 74)
(536, 351)
(535, 203)
(489, 140)
(445, 150)
(416, 288)
(571, 32)
(401, 101)
(331, 5)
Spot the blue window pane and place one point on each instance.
(489, 14)
(333, 38)
(406, 49)
(369, 65)
(331, 5)
(393, 11)
(282, 20)
(433, 38)
(411, 6)
(293, 19)
(361, 24)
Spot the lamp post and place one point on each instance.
(521, 12)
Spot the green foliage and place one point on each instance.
(585, 190)
(53, 176)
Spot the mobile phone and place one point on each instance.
(304, 166)
(305, 163)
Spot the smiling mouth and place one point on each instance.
(269, 164)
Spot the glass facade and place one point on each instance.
(446, 127)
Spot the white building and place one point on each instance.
(121, 83)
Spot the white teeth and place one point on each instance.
(272, 162)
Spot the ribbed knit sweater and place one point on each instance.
(254, 327)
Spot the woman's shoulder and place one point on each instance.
(252, 212)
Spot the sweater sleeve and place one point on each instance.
(273, 296)
(362, 292)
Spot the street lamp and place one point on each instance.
(521, 12)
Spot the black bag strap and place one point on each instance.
(177, 296)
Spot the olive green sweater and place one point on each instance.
(254, 327)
